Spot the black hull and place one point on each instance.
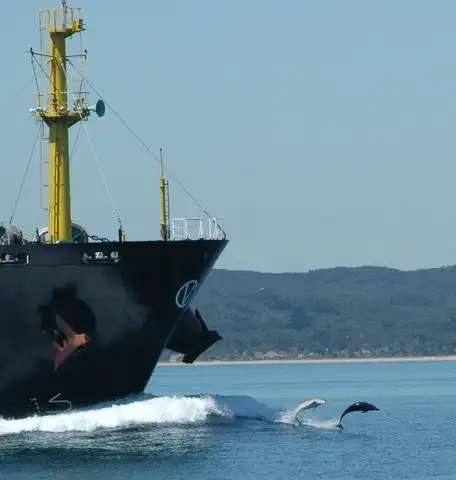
(80, 327)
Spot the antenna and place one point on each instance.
(162, 168)
(64, 11)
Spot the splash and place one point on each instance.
(293, 416)
(320, 424)
(186, 410)
(161, 410)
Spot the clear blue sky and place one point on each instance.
(322, 132)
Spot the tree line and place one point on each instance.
(337, 312)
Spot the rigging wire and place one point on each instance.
(100, 170)
(98, 164)
(146, 147)
(25, 175)
(36, 80)
(74, 143)
(81, 85)
(116, 212)
(33, 58)
(82, 62)
(32, 53)
(73, 147)
(52, 82)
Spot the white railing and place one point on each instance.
(193, 229)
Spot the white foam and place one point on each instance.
(159, 410)
(323, 424)
(293, 416)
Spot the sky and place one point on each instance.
(322, 133)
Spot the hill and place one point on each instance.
(335, 312)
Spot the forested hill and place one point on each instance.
(331, 313)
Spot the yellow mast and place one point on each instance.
(164, 202)
(61, 23)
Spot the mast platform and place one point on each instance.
(61, 20)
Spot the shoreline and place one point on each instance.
(443, 358)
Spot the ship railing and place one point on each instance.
(193, 229)
(55, 18)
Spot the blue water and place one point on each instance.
(241, 430)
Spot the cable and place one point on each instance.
(52, 83)
(178, 183)
(25, 175)
(33, 58)
(147, 148)
(97, 161)
(36, 80)
(103, 178)
(74, 143)
(49, 78)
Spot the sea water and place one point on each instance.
(233, 422)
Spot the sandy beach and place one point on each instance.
(447, 358)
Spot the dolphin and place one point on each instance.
(307, 405)
(362, 407)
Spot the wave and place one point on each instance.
(184, 410)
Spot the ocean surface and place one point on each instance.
(236, 422)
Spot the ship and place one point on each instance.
(85, 319)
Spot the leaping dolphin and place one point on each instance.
(307, 405)
(362, 407)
